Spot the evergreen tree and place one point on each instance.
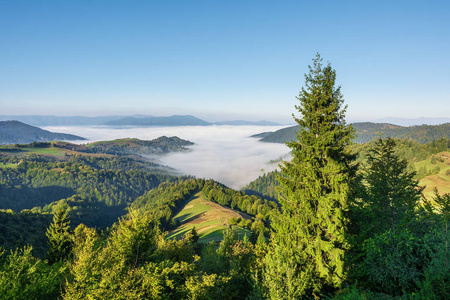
(308, 242)
(392, 194)
(59, 237)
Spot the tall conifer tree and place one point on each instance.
(393, 194)
(308, 242)
(59, 237)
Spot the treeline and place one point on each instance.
(262, 210)
(409, 150)
(121, 163)
(167, 200)
(264, 186)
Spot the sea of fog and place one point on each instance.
(225, 153)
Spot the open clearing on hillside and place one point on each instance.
(45, 151)
(441, 180)
(209, 219)
(8, 165)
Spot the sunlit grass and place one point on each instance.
(45, 151)
(209, 220)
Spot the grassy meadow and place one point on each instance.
(439, 165)
(209, 219)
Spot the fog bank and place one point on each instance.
(225, 153)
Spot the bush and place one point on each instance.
(437, 279)
(22, 276)
(232, 221)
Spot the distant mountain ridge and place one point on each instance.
(133, 120)
(44, 120)
(176, 120)
(181, 120)
(413, 122)
(15, 132)
(243, 123)
(367, 131)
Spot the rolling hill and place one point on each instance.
(367, 131)
(159, 145)
(15, 132)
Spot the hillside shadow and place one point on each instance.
(190, 218)
(179, 233)
(216, 236)
(97, 215)
(22, 198)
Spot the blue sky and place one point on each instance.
(221, 60)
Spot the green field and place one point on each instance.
(45, 151)
(8, 165)
(208, 218)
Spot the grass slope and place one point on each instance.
(441, 180)
(208, 218)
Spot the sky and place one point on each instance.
(221, 60)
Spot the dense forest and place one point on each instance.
(349, 221)
(415, 153)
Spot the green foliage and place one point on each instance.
(23, 276)
(36, 184)
(24, 228)
(166, 200)
(437, 275)
(354, 292)
(134, 237)
(392, 194)
(113, 269)
(264, 186)
(436, 284)
(59, 237)
(309, 234)
(135, 146)
(394, 262)
(252, 205)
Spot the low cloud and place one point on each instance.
(225, 153)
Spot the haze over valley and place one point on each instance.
(225, 153)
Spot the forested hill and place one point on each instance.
(367, 131)
(15, 132)
(159, 145)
